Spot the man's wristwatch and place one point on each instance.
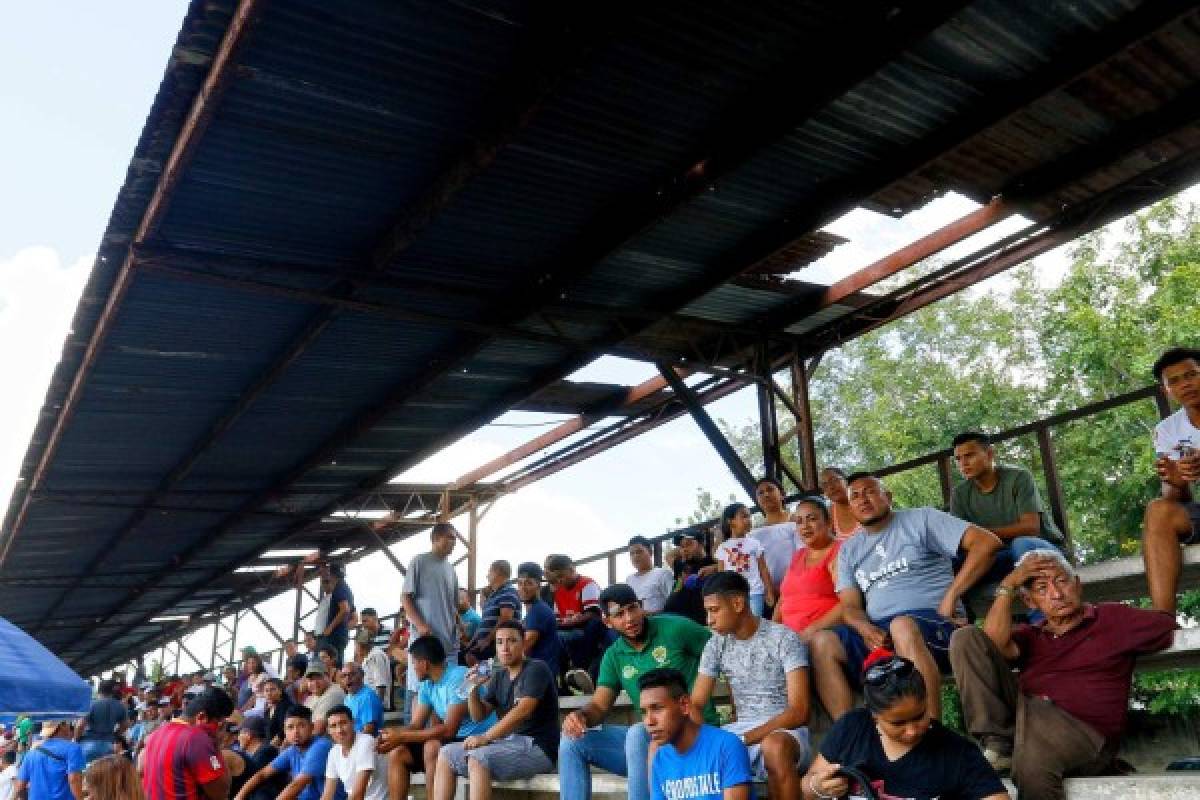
(1006, 590)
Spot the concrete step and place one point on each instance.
(1125, 578)
(1180, 786)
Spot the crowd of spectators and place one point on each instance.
(839, 599)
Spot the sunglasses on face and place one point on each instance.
(883, 671)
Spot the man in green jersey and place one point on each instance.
(646, 643)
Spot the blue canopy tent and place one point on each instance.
(34, 683)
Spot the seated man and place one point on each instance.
(692, 565)
(322, 695)
(896, 584)
(439, 716)
(502, 603)
(645, 643)
(1173, 519)
(366, 709)
(690, 759)
(767, 669)
(1002, 499)
(577, 609)
(541, 628)
(302, 762)
(256, 753)
(524, 742)
(353, 766)
(1064, 711)
(652, 584)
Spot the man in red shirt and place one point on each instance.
(1063, 713)
(577, 609)
(181, 760)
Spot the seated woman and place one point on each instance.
(896, 745)
(832, 482)
(808, 601)
(777, 535)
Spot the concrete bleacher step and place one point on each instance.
(1181, 786)
(1125, 578)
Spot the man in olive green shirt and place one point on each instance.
(646, 643)
(1002, 499)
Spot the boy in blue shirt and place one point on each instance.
(439, 716)
(688, 759)
(303, 761)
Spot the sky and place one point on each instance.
(77, 79)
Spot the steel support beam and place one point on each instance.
(270, 628)
(710, 430)
(767, 422)
(802, 412)
(473, 550)
(1058, 505)
(383, 548)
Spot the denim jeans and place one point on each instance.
(95, 748)
(1007, 557)
(619, 749)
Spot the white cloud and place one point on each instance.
(38, 295)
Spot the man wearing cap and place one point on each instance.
(322, 694)
(182, 760)
(256, 753)
(692, 566)
(541, 629)
(365, 706)
(53, 769)
(645, 643)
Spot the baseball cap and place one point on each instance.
(249, 650)
(620, 594)
(315, 667)
(531, 570)
(679, 537)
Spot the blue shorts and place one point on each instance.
(935, 629)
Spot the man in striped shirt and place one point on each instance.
(181, 760)
(502, 603)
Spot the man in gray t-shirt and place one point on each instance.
(431, 595)
(897, 589)
(767, 669)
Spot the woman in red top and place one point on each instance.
(807, 600)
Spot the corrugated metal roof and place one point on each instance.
(398, 224)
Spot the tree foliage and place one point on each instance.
(1022, 350)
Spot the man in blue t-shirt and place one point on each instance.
(53, 769)
(688, 759)
(439, 716)
(541, 628)
(502, 604)
(897, 589)
(363, 701)
(303, 761)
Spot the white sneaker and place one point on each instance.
(1001, 762)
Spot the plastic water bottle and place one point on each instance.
(483, 670)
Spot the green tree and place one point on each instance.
(997, 358)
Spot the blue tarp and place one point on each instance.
(34, 682)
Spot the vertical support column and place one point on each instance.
(473, 548)
(804, 424)
(162, 659)
(212, 661)
(767, 422)
(1161, 402)
(296, 619)
(178, 650)
(233, 637)
(945, 479)
(612, 568)
(658, 553)
(1053, 485)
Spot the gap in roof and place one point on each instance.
(873, 235)
(614, 369)
(287, 553)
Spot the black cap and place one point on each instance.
(532, 570)
(619, 593)
(256, 724)
(679, 537)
